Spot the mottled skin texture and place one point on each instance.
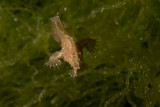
(71, 51)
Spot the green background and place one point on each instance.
(123, 71)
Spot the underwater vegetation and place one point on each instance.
(123, 71)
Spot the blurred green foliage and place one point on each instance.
(123, 71)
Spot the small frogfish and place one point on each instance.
(71, 51)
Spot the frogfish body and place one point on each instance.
(71, 51)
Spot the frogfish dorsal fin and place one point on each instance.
(87, 43)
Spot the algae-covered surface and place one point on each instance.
(123, 70)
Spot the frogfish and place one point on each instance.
(71, 51)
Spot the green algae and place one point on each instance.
(123, 71)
